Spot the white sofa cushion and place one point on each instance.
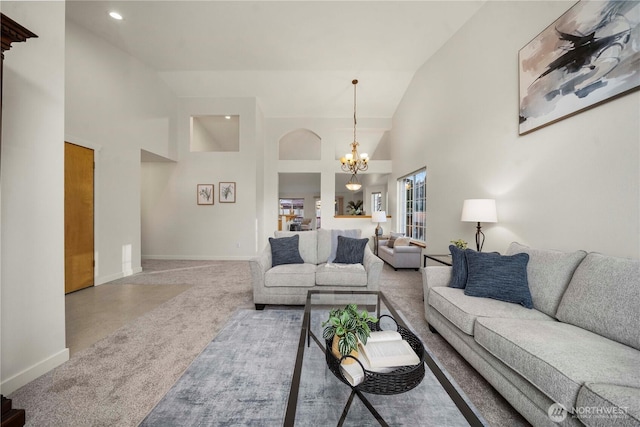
(558, 358)
(308, 245)
(402, 241)
(324, 245)
(341, 275)
(463, 310)
(291, 275)
(603, 298)
(548, 274)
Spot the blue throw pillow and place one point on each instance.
(355, 233)
(459, 268)
(501, 277)
(350, 251)
(284, 250)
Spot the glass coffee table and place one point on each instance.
(319, 396)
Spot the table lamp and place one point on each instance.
(379, 216)
(479, 210)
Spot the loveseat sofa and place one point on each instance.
(574, 358)
(288, 284)
(398, 252)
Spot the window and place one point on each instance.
(376, 201)
(293, 207)
(412, 197)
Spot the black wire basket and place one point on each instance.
(399, 380)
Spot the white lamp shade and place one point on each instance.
(379, 216)
(479, 210)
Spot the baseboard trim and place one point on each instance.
(101, 280)
(10, 385)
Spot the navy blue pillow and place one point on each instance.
(350, 251)
(459, 268)
(284, 250)
(501, 277)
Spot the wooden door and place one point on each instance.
(78, 217)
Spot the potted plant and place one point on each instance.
(354, 208)
(345, 326)
(460, 244)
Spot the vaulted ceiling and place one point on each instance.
(296, 57)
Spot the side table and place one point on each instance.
(442, 259)
(376, 239)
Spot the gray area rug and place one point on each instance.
(120, 379)
(243, 378)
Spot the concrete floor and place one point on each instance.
(98, 311)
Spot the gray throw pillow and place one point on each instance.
(350, 251)
(500, 277)
(284, 250)
(392, 239)
(459, 268)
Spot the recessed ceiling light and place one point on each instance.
(227, 117)
(115, 15)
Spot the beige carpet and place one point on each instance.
(119, 379)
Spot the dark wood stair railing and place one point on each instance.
(11, 417)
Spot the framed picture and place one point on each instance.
(587, 56)
(227, 192)
(205, 194)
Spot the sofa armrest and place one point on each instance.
(373, 266)
(259, 266)
(434, 277)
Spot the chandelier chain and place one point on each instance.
(355, 121)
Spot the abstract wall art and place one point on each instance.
(589, 55)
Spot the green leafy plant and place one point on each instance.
(349, 326)
(460, 244)
(354, 208)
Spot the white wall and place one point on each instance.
(32, 279)
(571, 185)
(174, 226)
(118, 106)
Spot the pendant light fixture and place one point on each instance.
(354, 162)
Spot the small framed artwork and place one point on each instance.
(227, 192)
(586, 57)
(205, 194)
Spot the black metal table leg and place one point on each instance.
(345, 411)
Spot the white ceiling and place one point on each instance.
(297, 57)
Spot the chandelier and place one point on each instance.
(354, 162)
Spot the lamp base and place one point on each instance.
(378, 230)
(479, 238)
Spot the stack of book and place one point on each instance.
(384, 351)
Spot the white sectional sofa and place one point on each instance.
(288, 284)
(579, 346)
